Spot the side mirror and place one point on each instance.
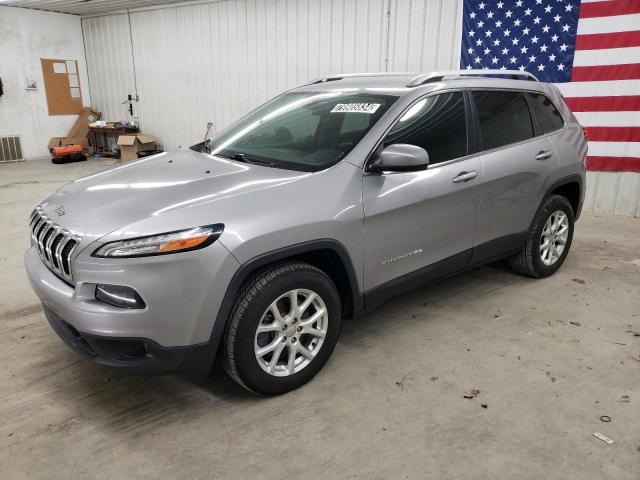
(400, 157)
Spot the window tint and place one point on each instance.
(306, 131)
(354, 122)
(546, 112)
(504, 118)
(298, 126)
(435, 123)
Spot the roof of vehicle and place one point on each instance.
(400, 83)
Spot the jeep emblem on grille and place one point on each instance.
(60, 210)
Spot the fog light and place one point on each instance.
(119, 296)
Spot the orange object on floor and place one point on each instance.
(66, 150)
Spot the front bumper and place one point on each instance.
(136, 355)
(182, 292)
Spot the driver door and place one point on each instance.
(420, 225)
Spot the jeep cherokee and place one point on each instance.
(331, 198)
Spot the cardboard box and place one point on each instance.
(79, 131)
(81, 127)
(62, 141)
(130, 145)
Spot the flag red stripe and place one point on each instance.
(609, 8)
(599, 41)
(613, 134)
(603, 41)
(629, 71)
(614, 164)
(604, 104)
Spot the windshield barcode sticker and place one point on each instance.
(355, 108)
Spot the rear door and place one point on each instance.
(517, 161)
(415, 220)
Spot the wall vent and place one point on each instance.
(10, 148)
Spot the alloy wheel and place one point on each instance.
(291, 332)
(554, 237)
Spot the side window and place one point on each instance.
(437, 124)
(546, 112)
(504, 118)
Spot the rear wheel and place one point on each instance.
(284, 327)
(548, 241)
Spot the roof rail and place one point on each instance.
(452, 74)
(340, 76)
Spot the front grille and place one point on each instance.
(55, 244)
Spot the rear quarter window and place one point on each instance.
(546, 112)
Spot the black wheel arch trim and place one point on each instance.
(245, 270)
(574, 178)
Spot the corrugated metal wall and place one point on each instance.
(218, 60)
(215, 61)
(109, 63)
(615, 193)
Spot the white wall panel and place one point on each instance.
(425, 35)
(109, 63)
(628, 195)
(26, 36)
(215, 61)
(613, 193)
(220, 60)
(174, 72)
(590, 193)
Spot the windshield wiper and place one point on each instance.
(241, 157)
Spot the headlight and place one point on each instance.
(163, 244)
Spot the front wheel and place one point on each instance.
(284, 327)
(548, 241)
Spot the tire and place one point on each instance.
(254, 307)
(529, 261)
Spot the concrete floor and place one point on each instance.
(549, 357)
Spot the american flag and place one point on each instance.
(589, 48)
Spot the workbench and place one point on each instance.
(103, 133)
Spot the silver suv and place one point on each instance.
(320, 204)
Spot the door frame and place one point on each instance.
(471, 130)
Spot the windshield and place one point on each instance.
(306, 131)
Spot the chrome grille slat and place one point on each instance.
(52, 242)
(40, 234)
(61, 245)
(34, 229)
(55, 250)
(45, 241)
(49, 237)
(66, 257)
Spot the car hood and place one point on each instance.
(98, 204)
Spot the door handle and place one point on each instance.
(465, 177)
(542, 155)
